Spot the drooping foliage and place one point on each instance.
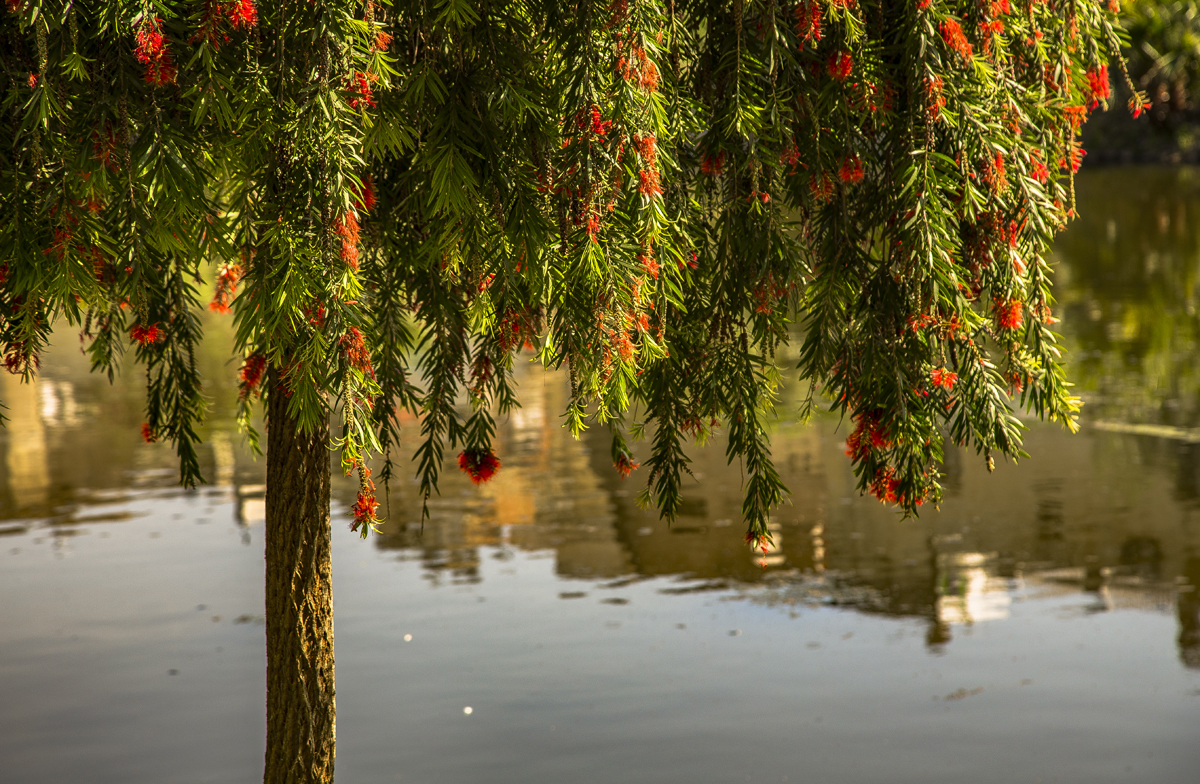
(399, 198)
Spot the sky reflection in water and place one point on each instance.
(1043, 626)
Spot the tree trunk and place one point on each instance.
(299, 607)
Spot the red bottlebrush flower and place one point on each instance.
(359, 86)
(364, 510)
(1099, 88)
(146, 335)
(227, 279)
(60, 243)
(365, 196)
(923, 4)
(1075, 115)
(886, 486)
(840, 65)
(251, 375)
(625, 465)
(20, 360)
(952, 34)
(242, 13)
(649, 182)
(943, 378)
(593, 226)
(821, 187)
(994, 176)
(1136, 106)
(346, 227)
(808, 21)
(1039, 170)
(713, 164)
(649, 72)
(869, 433)
(153, 52)
(790, 155)
(354, 349)
(148, 434)
(15, 5)
(759, 541)
(1008, 313)
(852, 170)
(649, 264)
(382, 41)
(478, 464)
(33, 81)
(935, 101)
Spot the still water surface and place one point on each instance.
(1043, 626)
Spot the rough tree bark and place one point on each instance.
(301, 716)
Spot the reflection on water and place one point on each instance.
(1103, 525)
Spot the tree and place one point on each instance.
(658, 194)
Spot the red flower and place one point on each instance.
(869, 433)
(625, 465)
(886, 486)
(251, 375)
(242, 13)
(852, 170)
(382, 41)
(148, 434)
(759, 541)
(354, 349)
(712, 164)
(943, 378)
(840, 65)
(1008, 313)
(649, 264)
(359, 86)
(808, 21)
(478, 464)
(952, 34)
(227, 279)
(153, 52)
(146, 335)
(346, 227)
(33, 81)
(1099, 88)
(935, 101)
(364, 510)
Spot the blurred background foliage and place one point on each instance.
(1164, 63)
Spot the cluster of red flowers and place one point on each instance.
(790, 155)
(478, 464)
(637, 67)
(239, 13)
(808, 21)
(767, 293)
(935, 101)
(153, 52)
(365, 505)
(624, 465)
(852, 170)
(869, 433)
(594, 122)
(994, 175)
(713, 164)
(146, 335)
(650, 182)
(759, 541)
(359, 87)
(227, 279)
(15, 5)
(1099, 88)
(952, 34)
(354, 349)
(941, 377)
(346, 227)
(148, 433)
(840, 65)
(821, 187)
(886, 486)
(649, 265)
(1038, 167)
(1008, 313)
(593, 225)
(251, 375)
(517, 328)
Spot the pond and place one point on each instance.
(1044, 625)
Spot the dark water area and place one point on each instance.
(1044, 625)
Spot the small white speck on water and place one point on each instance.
(408, 638)
(468, 710)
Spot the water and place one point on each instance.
(1044, 626)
